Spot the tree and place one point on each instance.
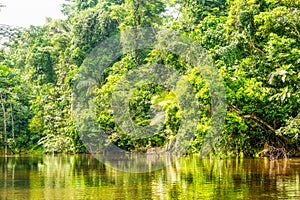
(254, 45)
(8, 99)
(259, 68)
(74, 6)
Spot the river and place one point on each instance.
(84, 177)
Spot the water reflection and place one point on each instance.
(83, 177)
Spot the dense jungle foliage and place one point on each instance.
(255, 45)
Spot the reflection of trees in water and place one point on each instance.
(15, 175)
(215, 179)
(73, 177)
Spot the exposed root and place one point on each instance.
(274, 153)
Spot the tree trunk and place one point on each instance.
(4, 125)
(12, 123)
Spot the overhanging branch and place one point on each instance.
(252, 116)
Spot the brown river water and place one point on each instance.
(84, 177)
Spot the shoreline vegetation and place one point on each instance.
(254, 45)
(272, 153)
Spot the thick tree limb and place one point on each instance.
(260, 120)
(252, 116)
(257, 49)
